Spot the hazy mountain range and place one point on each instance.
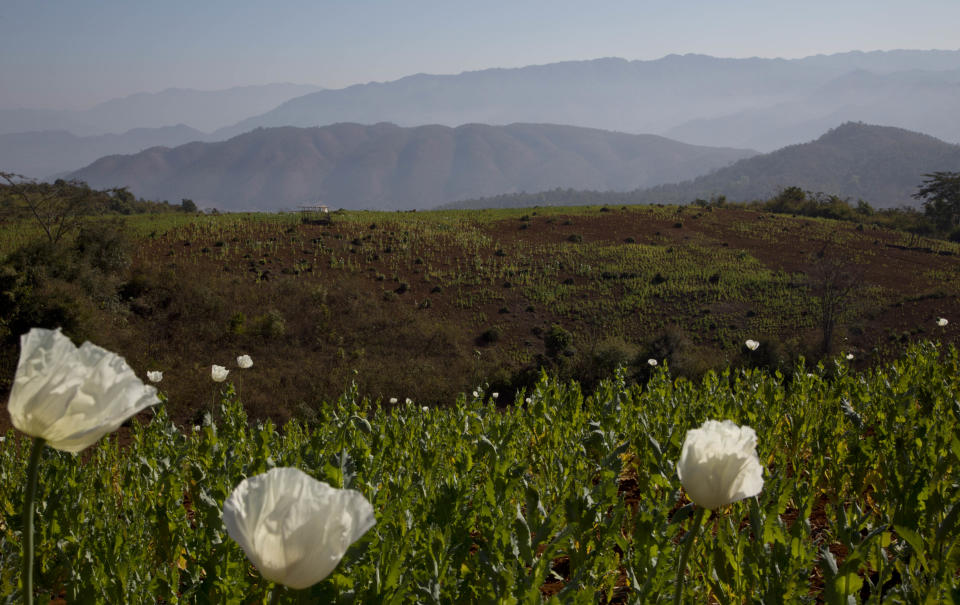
(385, 166)
(756, 103)
(204, 110)
(881, 165)
(51, 152)
(761, 104)
(918, 100)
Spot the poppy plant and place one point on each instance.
(67, 397)
(294, 528)
(72, 396)
(718, 466)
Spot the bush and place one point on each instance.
(603, 361)
(104, 245)
(557, 340)
(271, 325)
(675, 347)
(237, 323)
(491, 335)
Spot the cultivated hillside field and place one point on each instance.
(484, 379)
(429, 305)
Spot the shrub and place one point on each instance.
(557, 340)
(237, 323)
(491, 335)
(603, 360)
(104, 245)
(271, 324)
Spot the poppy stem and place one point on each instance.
(688, 544)
(275, 595)
(28, 500)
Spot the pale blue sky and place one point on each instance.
(74, 53)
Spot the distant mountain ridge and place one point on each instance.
(924, 101)
(385, 166)
(204, 110)
(755, 103)
(687, 97)
(881, 165)
(47, 154)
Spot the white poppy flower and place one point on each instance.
(942, 322)
(494, 395)
(719, 464)
(528, 400)
(294, 528)
(652, 362)
(475, 394)
(752, 345)
(849, 356)
(70, 396)
(155, 376)
(393, 400)
(408, 401)
(244, 362)
(425, 409)
(218, 373)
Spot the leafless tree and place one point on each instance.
(58, 207)
(834, 281)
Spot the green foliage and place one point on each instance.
(564, 498)
(557, 340)
(271, 325)
(60, 208)
(791, 200)
(940, 193)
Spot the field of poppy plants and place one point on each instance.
(833, 485)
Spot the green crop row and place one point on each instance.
(557, 497)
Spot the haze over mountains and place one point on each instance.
(758, 104)
(49, 153)
(385, 166)
(683, 97)
(878, 164)
(918, 100)
(204, 110)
